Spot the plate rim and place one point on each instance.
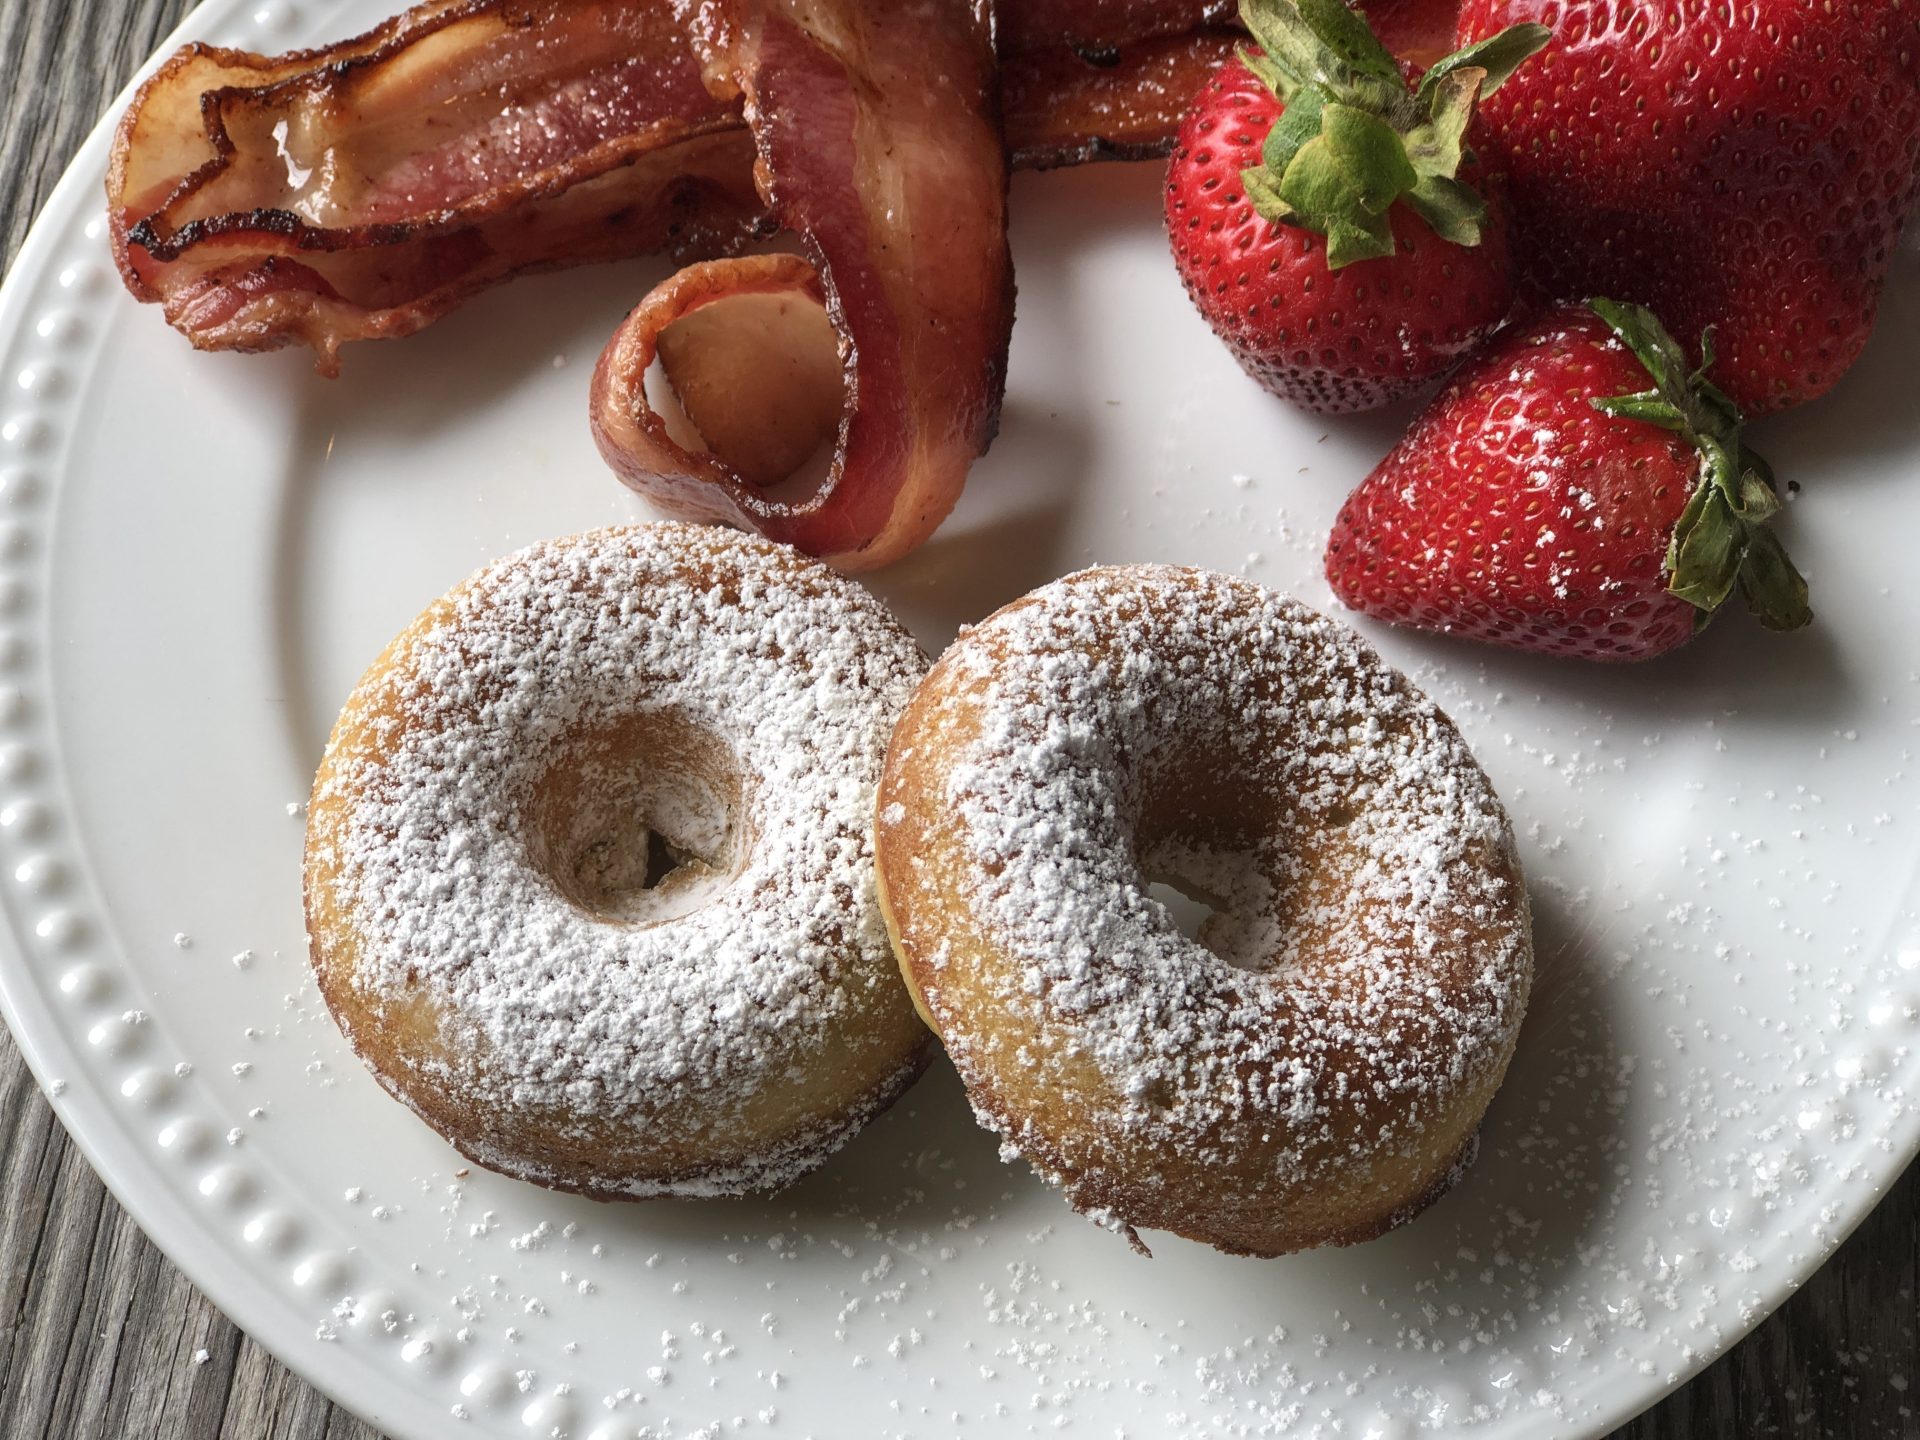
(265, 1310)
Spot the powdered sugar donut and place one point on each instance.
(589, 868)
(1313, 1067)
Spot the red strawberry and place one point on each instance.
(1740, 164)
(1551, 499)
(1319, 214)
(1418, 32)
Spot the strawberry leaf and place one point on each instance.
(1297, 124)
(1369, 164)
(1642, 333)
(1357, 238)
(1342, 181)
(1452, 211)
(1757, 501)
(1772, 588)
(1352, 139)
(1722, 539)
(1289, 42)
(1704, 555)
(1260, 62)
(1707, 354)
(1264, 192)
(1649, 406)
(1347, 35)
(1438, 146)
(1498, 55)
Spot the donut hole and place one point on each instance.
(664, 860)
(1237, 865)
(1186, 905)
(1196, 841)
(640, 822)
(1219, 897)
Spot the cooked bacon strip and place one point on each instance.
(365, 189)
(1096, 25)
(362, 190)
(1067, 107)
(879, 148)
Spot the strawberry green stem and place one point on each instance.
(1354, 138)
(1722, 541)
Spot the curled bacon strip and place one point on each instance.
(879, 147)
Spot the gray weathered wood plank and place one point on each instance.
(99, 1334)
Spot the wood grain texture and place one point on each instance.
(102, 1339)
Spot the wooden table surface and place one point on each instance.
(102, 1339)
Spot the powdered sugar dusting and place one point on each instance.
(1368, 964)
(724, 694)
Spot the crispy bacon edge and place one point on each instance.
(879, 147)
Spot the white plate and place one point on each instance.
(198, 554)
